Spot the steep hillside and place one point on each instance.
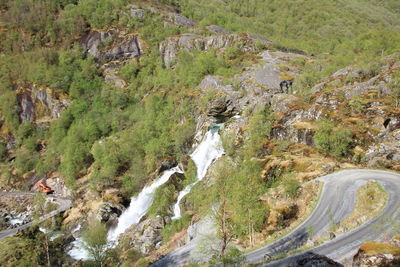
(102, 98)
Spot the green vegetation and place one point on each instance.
(163, 200)
(96, 244)
(116, 137)
(175, 226)
(291, 185)
(332, 140)
(339, 33)
(29, 248)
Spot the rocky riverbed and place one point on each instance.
(15, 210)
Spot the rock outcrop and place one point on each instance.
(311, 259)
(170, 48)
(146, 235)
(39, 104)
(377, 255)
(15, 210)
(178, 20)
(112, 45)
(109, 212)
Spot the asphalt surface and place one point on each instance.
(337, 201)
(63, 205)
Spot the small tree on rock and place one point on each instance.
(95, 241)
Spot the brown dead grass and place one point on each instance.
(371, 198)
(374, 248)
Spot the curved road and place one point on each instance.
(336, 203)
(63, 205)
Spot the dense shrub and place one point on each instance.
(335, 141)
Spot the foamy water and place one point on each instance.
(209, 150)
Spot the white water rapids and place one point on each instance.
(205, 154)
(132, 215)
(139, 205)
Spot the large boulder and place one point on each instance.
(146, 235)
(179, 20)
(215, 29)
(137, 13)
(311, 259)
(109, 212)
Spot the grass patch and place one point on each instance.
(371, 198)
(175, 227)
(373, 248)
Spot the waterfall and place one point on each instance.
(132, 215)
(139, 205)
(205, 154)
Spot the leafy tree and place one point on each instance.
(95, 241)
(27, 249)
(332, 140)
(222, 212)
(259, 129)
(249, 212)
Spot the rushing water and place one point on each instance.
(132, 215)
(205, 154)
(139, 205)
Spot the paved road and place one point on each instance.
(336, 203)
(63, 205)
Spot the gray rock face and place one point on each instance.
(217, 29)
(111, 76)
(180, 20)
(166, 165)
(385, 151)
(27, 108)
(281, 102)
(137, 13)
(301, 136)
(58, 185)
(227, 103)
(171, 46)
(93, 40)
(358, 82)
(127, 47)
(109, 213)
(146, 235)
(254, 89)
(36, 103)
